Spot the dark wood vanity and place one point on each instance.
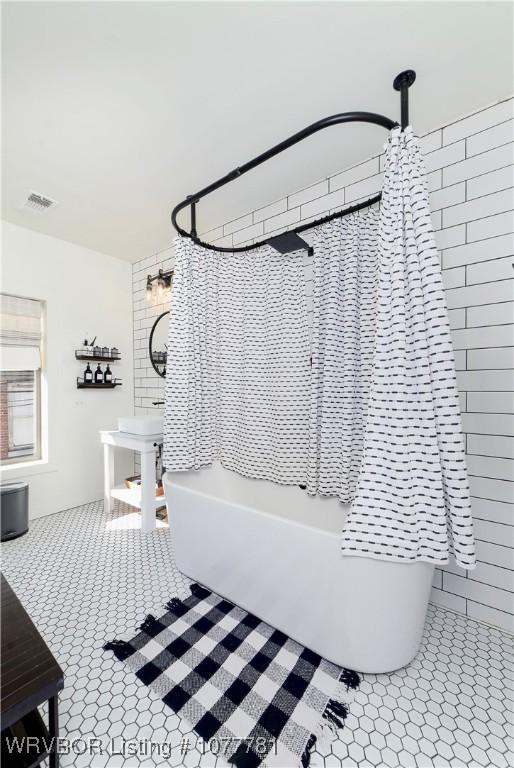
(30, 676)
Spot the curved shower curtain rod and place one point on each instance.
(402, 83)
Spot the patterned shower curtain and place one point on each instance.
(343, 336)
(412, 498)
(190, 399)
(237, 385)
(375, 421)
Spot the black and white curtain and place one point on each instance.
(412, 500)
(237, 387)
(343, 336)
(375, 419)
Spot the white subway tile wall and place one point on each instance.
(470, 164)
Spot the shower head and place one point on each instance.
(288, 242)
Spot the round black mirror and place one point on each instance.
(157, 347)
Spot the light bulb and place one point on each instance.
(161, 288)
(149, 289)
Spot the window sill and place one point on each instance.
(26, 469)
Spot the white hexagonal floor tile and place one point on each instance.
(83, 584)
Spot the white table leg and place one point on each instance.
(108, 476)
(148, 491)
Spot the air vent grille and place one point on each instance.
(38, 202)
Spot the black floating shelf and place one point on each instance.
(99, 359)
(86, 385)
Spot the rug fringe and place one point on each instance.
(335, 713)
(148, 623)
(121, 649)
(350, 678)
(307, 752)
(337, 708)
(172, 604)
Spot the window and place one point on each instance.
(20, 379)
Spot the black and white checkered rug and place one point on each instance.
(251, 693)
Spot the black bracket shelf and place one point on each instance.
(81, 384)
(97, 359)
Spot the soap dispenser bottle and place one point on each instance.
(108, 375)
(88, 375)
(99, 377)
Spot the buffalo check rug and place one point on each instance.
(251, 694)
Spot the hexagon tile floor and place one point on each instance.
(85, 579)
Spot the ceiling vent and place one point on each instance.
(38, 203)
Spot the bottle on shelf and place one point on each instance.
(99, 377)
(88, 375)
(108, 375)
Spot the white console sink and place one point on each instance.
(141, 425)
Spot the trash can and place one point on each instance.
(14, 510)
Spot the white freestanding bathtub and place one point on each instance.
(275, 551)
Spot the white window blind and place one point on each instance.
(20, 333)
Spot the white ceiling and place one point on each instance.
(119, 110)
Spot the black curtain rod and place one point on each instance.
(402, 83)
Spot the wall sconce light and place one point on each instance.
(157, 293)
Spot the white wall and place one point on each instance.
(470, 165)
(86, 292)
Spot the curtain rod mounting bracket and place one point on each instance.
(402, 83)
(405, 78)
